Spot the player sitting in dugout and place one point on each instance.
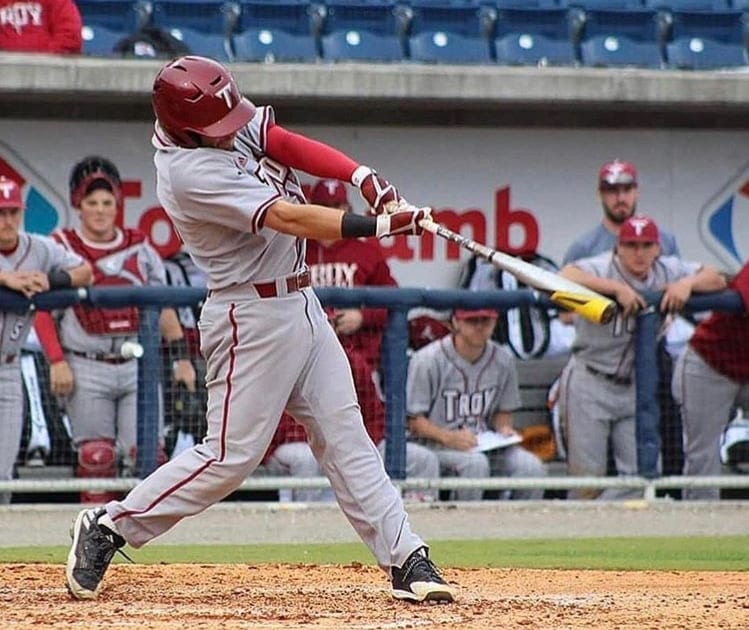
(460, 395)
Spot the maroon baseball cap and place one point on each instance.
(639, 230)
(328, 192)
(617, 172)
(10, 193)
(464, 313)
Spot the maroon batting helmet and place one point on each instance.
(92, 173)
(196, 95)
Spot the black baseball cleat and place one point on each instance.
(90, 554)
(419, 581)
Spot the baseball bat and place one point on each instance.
(570, 295)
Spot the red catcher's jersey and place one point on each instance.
(722, 340)
(116, 265)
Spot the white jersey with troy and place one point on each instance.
(454, 393)
(223, 226)
(609, 348)
(34, 253)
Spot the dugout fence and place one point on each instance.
(153, 412)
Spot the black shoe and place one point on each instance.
(418, 580)
(90, 554)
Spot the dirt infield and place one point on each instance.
(172, 597)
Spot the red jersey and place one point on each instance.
(43, 26)
(354, 263)
(722, 340)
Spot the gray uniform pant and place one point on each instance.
(298, 460)
(103, 404)
(264, 355)
(595, 410)
(707, 399)
(512, 461)
(11, 420)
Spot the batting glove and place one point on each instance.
(405, 222)
(378, 192)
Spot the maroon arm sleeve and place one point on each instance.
(741, 284)
(45, 329)
(310, 156)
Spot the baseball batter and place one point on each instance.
(597, 391)
(29, 264)
(711, 377)
(463, 385)
(85, 347)
(225, 175)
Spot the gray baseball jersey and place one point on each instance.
(456, 394)
(597, 392)
(265, 352)
(608, 348)
(34, 253)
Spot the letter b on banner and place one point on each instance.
(505, 219)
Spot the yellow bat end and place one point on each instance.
(599, 310)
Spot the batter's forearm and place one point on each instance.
(81, 276)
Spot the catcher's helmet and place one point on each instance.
(10, 193)
(89, 170)
(195, 95)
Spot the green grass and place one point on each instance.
(684, 553)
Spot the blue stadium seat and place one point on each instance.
(531, 4)
(203, 16)
(125, 16)
(553, 24)
(525, 49)
(361, 46)
(608, 5)
(213, 45)
(621, 36)
(273, 44)
(99, 41)
(692, 5)
(469, 18)
(612, 50)
(364, 29)
(722, 26)
(441, 47)
(704, 54)
(280, 29)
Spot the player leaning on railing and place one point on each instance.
(225, 178)
(29, 264)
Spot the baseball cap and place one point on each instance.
(464, 313)
(328, 192)
(617, 172)
(10, 193)
(639, 230)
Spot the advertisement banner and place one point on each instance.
(518, 190)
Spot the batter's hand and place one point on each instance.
(61, 378)
(405, 222)
(379, 193)
(348, 321)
